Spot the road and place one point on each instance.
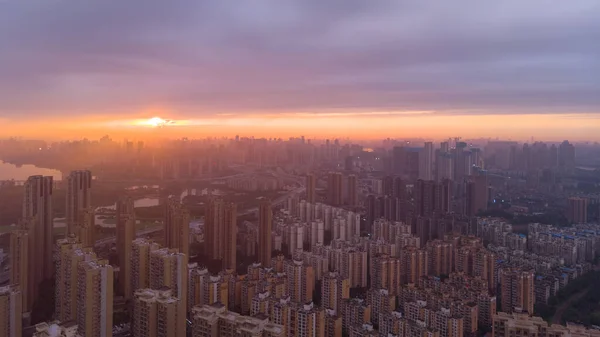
(144, 232)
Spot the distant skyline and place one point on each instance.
(353, 68)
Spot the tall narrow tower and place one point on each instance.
(177, 227)
(125, 236)
(265, 221)
(94, 299)
(311, 184)
(220, 232)
(79, 185)
(37, 212)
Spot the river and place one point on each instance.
(19, 173)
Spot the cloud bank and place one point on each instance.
(203, 58)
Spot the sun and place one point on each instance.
(156, 122)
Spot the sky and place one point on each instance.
(385, 68)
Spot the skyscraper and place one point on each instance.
(177, 226)
(352, 190)
(334, 188)
(220, 232)
(140, 263)
(19, 265)
(265, 223)
(334, 290)
(156, 313)
(566, 155)
(94, 299)
(477, 194)
(125, 236)
(517, 290)
(426, 162)
(69, 255)
(425, 197)
(79, 184)
(168, 268)
(300, 280)
(38, 215)
(311, 186)
(577, 210)
(85, 227)
(10, 311)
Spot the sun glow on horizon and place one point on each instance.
(156, 122)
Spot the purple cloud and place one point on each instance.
(208, 57)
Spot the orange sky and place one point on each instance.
(355, 125)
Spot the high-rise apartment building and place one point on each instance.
(352, 190)
(414, 264)
(306, 320)
(426, 162)
(517, 290)
(168, 268)
(444, 163)
(334, 290)
(386, 273)
(10, 311)
(220, 231)
(425, 192)
(140, 263)
(215, 321)
(311, 188)
(300, 280)
(79, 185)
(440, 256)
(85, 228)
(354, 266)
(265, 227)
(68, 257)
(177, 226)
(477, 194)
(355, 311)
(39, 220)
(577, 210)
(566, 155)
(19, 265)
(334, 188)
(125, 236)
(443, 196)
(156, 313)
(94, 299)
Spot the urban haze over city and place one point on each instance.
(299, 168)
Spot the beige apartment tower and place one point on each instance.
(311, 188)
(352, 190)
(125, 236)
(177, 226)
(19, 265)
(69, 256)
(94, 299)
(169, 268)
(300, 281)
(140, 263)
(156, 313)
(265, 223)
(220, 230)
(85, 227)
(39, 220)
(334, 188)
(79, 185)
(517, 290)
(334, 290)
(10, 311)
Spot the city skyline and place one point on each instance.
(275, 69)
